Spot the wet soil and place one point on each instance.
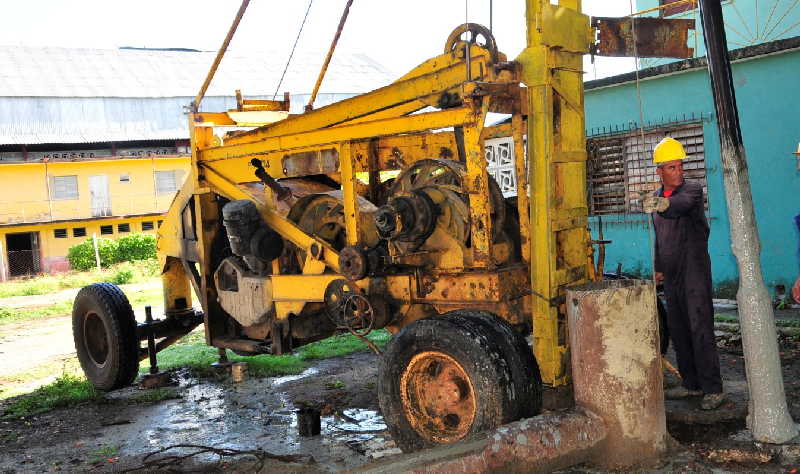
(260, 414)
(254, 414)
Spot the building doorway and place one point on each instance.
(22, 254)
(101, 200)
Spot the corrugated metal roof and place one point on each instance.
(39, 120)
(58, 95)
(62, 72)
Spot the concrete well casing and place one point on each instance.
(616, 367)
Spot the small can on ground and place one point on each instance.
(308, 421)
(239, 372)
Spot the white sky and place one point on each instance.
(397, 34)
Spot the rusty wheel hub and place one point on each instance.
(438, 397)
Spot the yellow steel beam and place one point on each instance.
(351, 212)
(523, 198)
(477, 186)
(278, 223)
(450, 73)
(391, 126)
(396, 111)
(558, 36)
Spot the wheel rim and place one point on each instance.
(438, 397)
(95, 338)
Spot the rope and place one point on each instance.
(293, 48)
(650, 230)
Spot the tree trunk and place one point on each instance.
(768, 417)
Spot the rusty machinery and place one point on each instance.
(378, 212)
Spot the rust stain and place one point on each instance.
(655, 37)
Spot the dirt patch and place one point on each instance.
(255, 414)
(259, 414)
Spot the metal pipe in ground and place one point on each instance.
(616, 367)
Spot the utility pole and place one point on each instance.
(768, 417)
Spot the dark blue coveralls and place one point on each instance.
(682, 256)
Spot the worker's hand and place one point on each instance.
(658, 278)
(652, 204)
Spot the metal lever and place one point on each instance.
(281, 192)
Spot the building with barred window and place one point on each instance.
(676, 101)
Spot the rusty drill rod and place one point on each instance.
(220, 54)
(151, 340)
(324, 69)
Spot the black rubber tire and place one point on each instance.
(102, 308)
(526, 378)
(475, 348)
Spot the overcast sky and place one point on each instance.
(397, 34)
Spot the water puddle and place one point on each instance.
(361, 430)
(257, 413)
(278, 381)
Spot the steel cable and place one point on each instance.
(296, 40)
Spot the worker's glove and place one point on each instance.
(652, 204)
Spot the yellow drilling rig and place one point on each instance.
(378, 212)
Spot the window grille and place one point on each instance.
(675, 9)
(60, 233)
(64, 187)
(124, 227)
(106, 229)
(79, 232)
(147, 225)
(620, 167)
(166, 181)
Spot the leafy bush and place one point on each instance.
(81, 256)
(136, 247)
(125, 249)
(122, 276)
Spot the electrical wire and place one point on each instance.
(293, 48)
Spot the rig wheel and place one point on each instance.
(527, 380)
(441, 379)
(104, 329)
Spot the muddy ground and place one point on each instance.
(119, 433)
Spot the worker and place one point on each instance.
(683, 265)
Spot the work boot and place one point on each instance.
(712, 401)
(679, 392)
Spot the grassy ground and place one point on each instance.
(121, 273)
(67, 390)
(10, 315)
(192, 352)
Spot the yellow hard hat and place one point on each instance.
(668, 149)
